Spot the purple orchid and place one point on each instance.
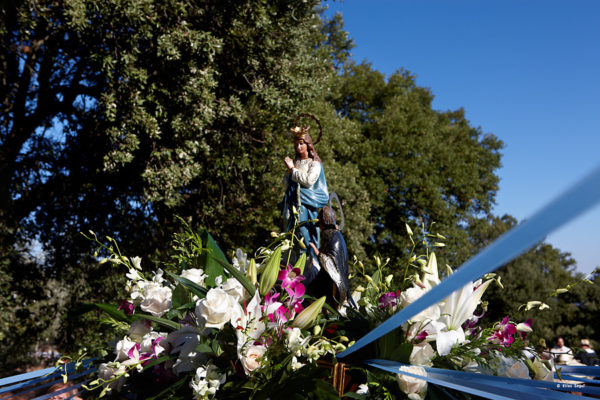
(387, 300)
(126, 306)
(504, 334)
(290, 275)
(295, 290)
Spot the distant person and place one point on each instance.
(561, 353)
(587, 355)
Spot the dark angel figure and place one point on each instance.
(332, 278)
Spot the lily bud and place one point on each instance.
(301, 263)
(269, 275)
(317, 330)
(388, 279)
(309, 314)
(251, 273)
(301, 243)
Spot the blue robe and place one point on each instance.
(311, 200)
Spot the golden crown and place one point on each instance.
(299, 131)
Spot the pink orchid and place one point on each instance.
(295, 290)
(387, 300)
(421, 336)
(298, 307)
(126, 306)
(504, 334)
(280, 315)
(270, 298)
(290, 275)
(134, 352)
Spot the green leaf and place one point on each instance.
(237, 274)
(162, 321)
(354, 395)
(324, 390)
(187, 306)
(110, 309)
(191, 286)
(203, 348)
(402, 353)
(210, 258)
(180, 296)
(173, 314)
(376, 277)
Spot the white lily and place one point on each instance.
(457, 308)
(249, 325)
(430, 273)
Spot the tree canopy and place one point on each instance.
(418, 164)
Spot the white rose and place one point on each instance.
(543, 371)
(410, 295)
(422, 354)
(250, 358)
(195, 275)
(138, 329)
(235, 289)
(157, 300)
(415, 388)
(218, 308)
(512, 368)
(122, 348)
(108, 371)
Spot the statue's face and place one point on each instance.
(301, 148)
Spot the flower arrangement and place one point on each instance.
(446, 335)
(211, 329)
(241, 330)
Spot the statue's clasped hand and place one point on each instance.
(289, 163)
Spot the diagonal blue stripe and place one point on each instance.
(580, 369)
(491, 387)
(578, 199)
(29, 378)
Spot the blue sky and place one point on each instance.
(526, 71)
